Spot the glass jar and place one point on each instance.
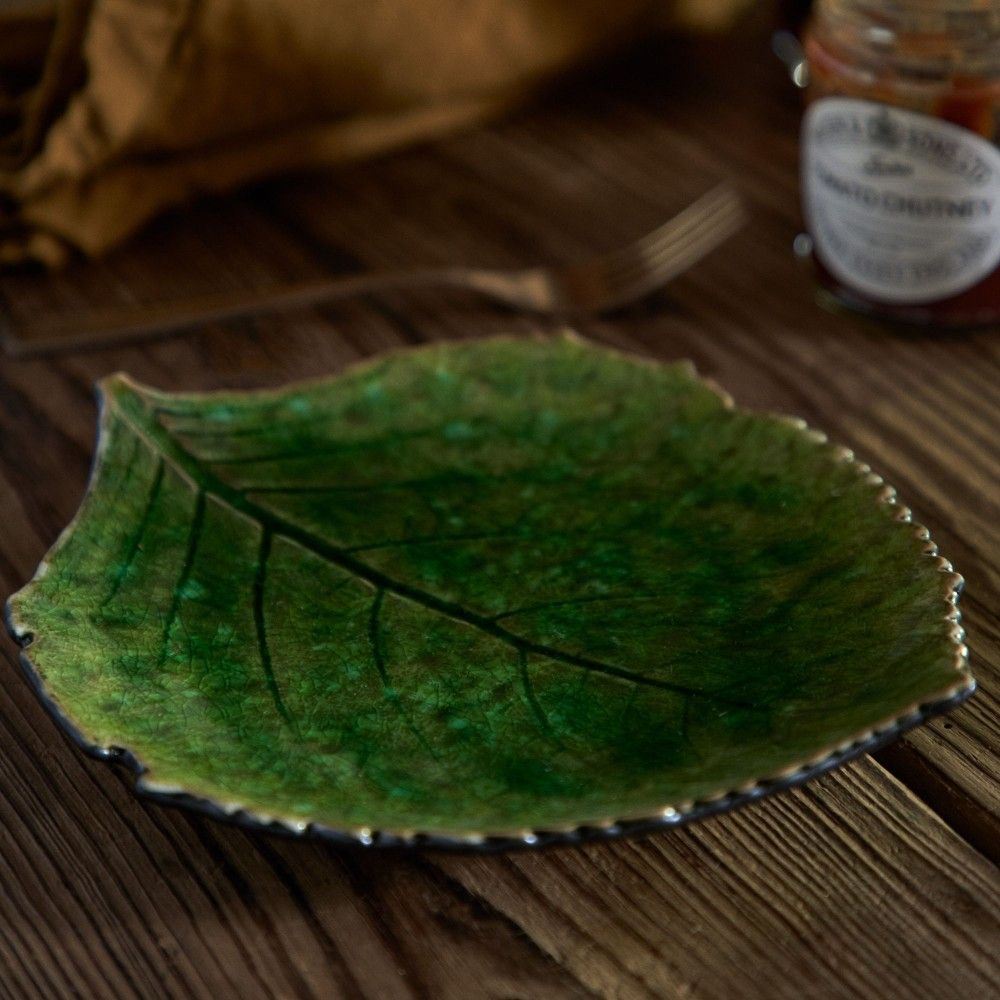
(900, 157)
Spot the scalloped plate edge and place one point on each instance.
(675, 814)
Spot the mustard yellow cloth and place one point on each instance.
(111, 110)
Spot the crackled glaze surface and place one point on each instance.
(484, 587)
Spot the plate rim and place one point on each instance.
(669, 815)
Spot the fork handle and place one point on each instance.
(134, 322)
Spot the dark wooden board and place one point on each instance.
(875, 881)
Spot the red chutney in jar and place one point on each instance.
(901, 165)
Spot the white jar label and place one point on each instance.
(902, 207)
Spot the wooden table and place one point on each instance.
(875, 881)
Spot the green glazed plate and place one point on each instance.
(489, 593)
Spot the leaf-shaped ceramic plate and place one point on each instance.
(490, 593)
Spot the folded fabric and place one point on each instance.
(112, 110)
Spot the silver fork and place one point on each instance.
(594, 286)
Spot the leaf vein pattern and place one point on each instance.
(532, 698)
(340, 557)
(194, 535)
(259, 583)
(136, 540)
(391, 694)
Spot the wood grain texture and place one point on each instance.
(863, 884)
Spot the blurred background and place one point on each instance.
(153, 153)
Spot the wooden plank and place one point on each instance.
(849, 887)
(834, 890)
